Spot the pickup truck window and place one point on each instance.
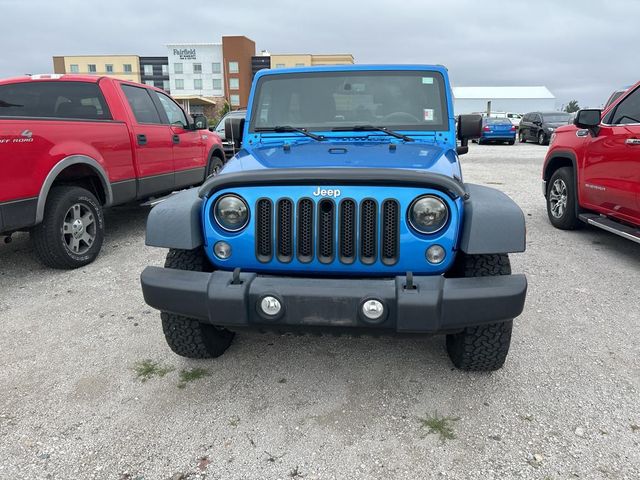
(141, 104)
(628, 110)
(400, 100)
(68, 100)
(174, 113)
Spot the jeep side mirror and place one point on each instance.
(587, 118)
(233, 128)
(469, 127)
(200, 122)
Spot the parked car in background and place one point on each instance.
(615, 96)
(71, 145)
(513, 117)
(538, 126)
(591, 172)
(497, 130)
(230, 146)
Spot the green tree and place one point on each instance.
(572, 107)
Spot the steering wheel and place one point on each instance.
(399, 117)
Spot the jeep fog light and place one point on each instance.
(231, 212)
(373, 309)
(222, 250)
(435, 254)
(428, 214)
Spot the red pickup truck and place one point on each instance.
(591, 173)
(71, 145)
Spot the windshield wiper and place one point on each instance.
(288, 128)
(373, 128)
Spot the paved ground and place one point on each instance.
(566, 405)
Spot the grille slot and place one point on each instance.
(347, 234)
(368, 227)
(264, 230)
(326, 231)
(285, 230)
(305, 230)
(390, 232)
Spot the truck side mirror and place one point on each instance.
(587, 118)
(233, 129)
(200, 122)
(469, 126)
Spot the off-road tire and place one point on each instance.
(187, 336)
(483, 347)
(48, 237)
(569, 218)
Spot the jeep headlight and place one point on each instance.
(231, 212)
(428, 214)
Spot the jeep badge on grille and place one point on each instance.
(321, 192)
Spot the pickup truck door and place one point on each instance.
(611, 178)
(189, 158)
(153, 144)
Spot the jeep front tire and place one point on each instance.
(72, 230)
(187, 336)
(483, 347)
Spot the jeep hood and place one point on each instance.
(358, 154)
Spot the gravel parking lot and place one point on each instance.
(566, 405)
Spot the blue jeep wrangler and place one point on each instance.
(344, 209)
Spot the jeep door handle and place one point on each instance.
(632, 141)
(142, 139)
(176, 139)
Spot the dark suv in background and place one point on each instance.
(230, 147)
(538, 126)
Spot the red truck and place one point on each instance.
(71, 145)
(591, 173)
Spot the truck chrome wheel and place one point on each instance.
(79, 228)
(558, 198)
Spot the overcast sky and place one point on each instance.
(578, 49)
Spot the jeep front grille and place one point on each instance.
(344, 231)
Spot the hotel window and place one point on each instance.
(235, 100)
(197, 84)
(165, 85)
(233, 67)
(179, 84)
(73, 68)
(197, 68)
(177, 68)
(165, 70)
(148, 70)
(108, 68)
(127, 68)
(279, 65)
(92, 68)
(217, 84)
(149, 82)
(216, 68)
(234, 84)
(299, 64)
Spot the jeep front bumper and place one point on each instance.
(434, 305)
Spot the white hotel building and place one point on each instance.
(196, 74)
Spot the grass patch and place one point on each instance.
(192, 375)
(441, 426)
(146, 369)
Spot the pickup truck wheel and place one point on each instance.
(483, 347)
(72, 230)
(561, 200)
(215, 165)
(187, 336)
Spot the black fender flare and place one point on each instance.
(59, 167)
(492, 222)
(175, 222)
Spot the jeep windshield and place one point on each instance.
(380, 100)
